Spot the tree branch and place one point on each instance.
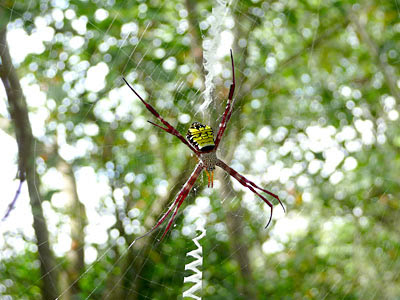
(23, 131)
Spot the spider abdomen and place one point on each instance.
(201, 137)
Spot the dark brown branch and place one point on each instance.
(12, 204)
(19, 115)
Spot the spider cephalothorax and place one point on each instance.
(200, 139)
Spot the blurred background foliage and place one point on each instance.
(316, 121)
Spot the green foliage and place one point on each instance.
(304, 66)
(20, 276)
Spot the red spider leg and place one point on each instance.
(228, 110)
(170, 129)
(249, 184)
(173, 216)
(179, 199)
(183, 193)
(257, 187)
(269, 193)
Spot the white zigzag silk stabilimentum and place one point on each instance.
(197, 277)
(210, 46)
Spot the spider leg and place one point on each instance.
(169, 128)
(208, 176)
(228, 110)
(173, 217)
(254, 185)
(267, 192)
(183, 194)
(165, 129)
(250, 185)
(179, 199)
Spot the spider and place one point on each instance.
(200, 139)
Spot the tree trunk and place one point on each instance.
(234, 222)
(77, 214)
(26, 167)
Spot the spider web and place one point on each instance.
(84, 195)
(18, 225)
